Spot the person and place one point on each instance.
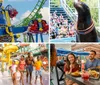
(45, 63)
(17, 76)
(38, 65)
(53, 57)
(78, 60)
(29, 66)
(21, 66)
(13, 70)
(92, 62)
(98, 58)
(70, 66)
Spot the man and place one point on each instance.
(29, 67)
(38, 65)
(92, 62)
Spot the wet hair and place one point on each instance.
(52, 48)
(29, 54)
(38, 57)
(93, 51)
(14, 61)
(22, 56)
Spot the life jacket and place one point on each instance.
(45, 26)
(35, 26)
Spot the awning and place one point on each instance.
(63, 52)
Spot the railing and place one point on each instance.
(68, 10)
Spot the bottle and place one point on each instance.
(82, 65)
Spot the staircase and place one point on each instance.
(60, 10)
(61, 7)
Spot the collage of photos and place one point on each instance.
(49, 42)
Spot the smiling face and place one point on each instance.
(71, 58)
(22, 57)
(92, 55)
(13, 62)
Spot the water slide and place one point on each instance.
(7, 50)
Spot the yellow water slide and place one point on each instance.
(1, 0)
(7, 50)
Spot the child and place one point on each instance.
(38, 65)
(15, 74)
(17, 77)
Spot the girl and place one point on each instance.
(13, 70)
(70, 66)
(17, 77)
(15, 74)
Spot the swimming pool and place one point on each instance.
(69, 39)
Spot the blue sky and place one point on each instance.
(23, 5)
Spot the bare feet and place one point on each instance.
(30, 83)
(27, 80)
(35, 82)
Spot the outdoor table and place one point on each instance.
(80, 81)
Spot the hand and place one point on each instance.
(88, 69)
(71, 66)
(66, 72)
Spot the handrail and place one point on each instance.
(68, 10)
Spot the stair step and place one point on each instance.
(59, 11)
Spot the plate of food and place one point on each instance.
(94, 74)
(76, 74)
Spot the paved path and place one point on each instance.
(5, 79)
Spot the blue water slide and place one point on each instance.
(15, 30)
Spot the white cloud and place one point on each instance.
(26, 14)
(17, 20)
(14, 20)
(45, 13)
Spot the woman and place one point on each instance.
(13, 71)
(22, 67)
(70, 66)
(15, 74)
(17, 77)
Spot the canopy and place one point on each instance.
(63, 52)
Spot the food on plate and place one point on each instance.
(77, 73)
(93, 73)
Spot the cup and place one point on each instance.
(85, 75)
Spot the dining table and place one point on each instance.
(80, 81)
